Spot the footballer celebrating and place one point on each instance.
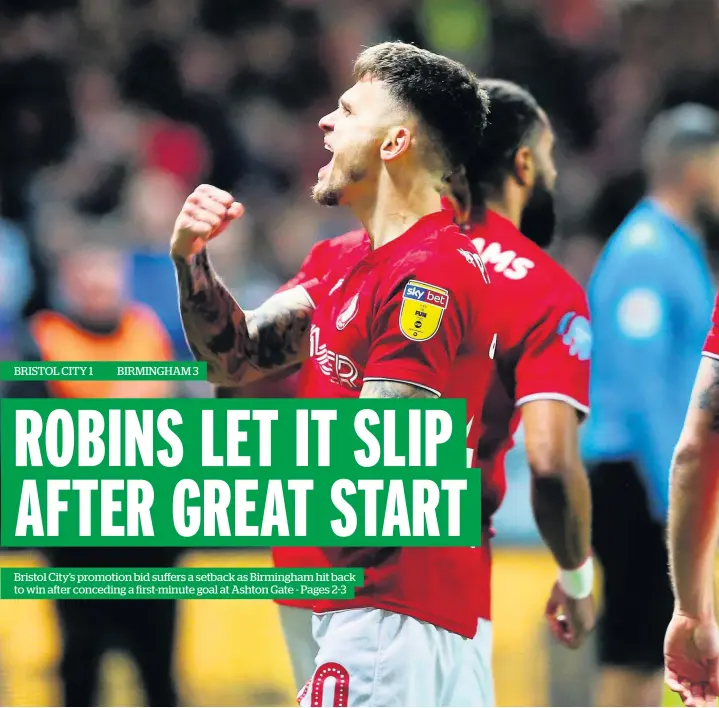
(542, 359)
(413, 318)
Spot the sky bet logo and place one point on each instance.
(414, 290)
(423, 306)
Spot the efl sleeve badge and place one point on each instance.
(423, 306)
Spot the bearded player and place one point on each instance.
(542, 358)
(409, 320)
(691, 645)
(543, 371)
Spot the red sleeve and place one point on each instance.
(554, 364)
(711, 344)
(420, 324)
(314, 266)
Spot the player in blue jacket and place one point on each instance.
(650, 298)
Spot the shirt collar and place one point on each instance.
(427, 224)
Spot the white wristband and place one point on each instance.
(578, 583)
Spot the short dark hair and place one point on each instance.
(515, 121)
(443, 93)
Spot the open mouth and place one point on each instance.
(328, 166)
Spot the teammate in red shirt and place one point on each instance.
(542, 357)
(403, 322)
(691, 645)
(544, 349)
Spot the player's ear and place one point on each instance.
(396, 143)
(524, 166)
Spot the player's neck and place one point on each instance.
(506, 208)
(394, 209)
(676, 206)
(508, 201)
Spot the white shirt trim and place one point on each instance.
(402, 381)
(553, 397)
(711, 355)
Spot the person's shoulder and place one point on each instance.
(443, 269)
(559, 280)
(335, 244)
(446, 249)
(645, 233)
(643, 248)
(512, 260)
(518, 264)
(338, 244)
(329, 252)
(351, 238)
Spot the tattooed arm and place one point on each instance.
(394, 389)
(239, 347)
(694, 498)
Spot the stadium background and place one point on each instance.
(113, 110)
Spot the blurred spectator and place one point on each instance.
(114, 111)
(153, 200)
(94, 322)
(16, 284)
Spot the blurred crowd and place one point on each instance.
(113, 111)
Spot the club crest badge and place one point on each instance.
(423, 306)
(348, 312)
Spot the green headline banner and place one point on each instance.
(103, 371)
(236, 472)
(179, 583)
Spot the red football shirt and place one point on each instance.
(416, 310)
(542, 351)
(335, 254)
(532, 360)
(323, 258)
(711, 344)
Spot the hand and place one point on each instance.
(691, 659)
(207, 212)
(571, 621)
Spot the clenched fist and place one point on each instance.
(207, 212)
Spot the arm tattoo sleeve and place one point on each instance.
(708, 397)
(394, 389)
(231, 341)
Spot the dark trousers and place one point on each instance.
(144, 628)
(631, 547)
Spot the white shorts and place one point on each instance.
(476, 689)
(371, 657)
(301, 645)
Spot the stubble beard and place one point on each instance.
(330, 195)
(326, 195)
